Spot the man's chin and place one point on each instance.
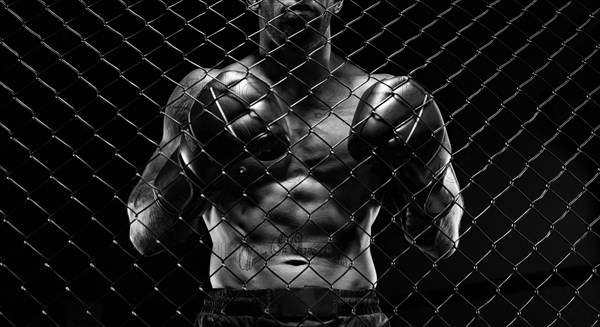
(297, 29)
(303, 39)
(291, 23)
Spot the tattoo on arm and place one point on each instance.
(181, 101)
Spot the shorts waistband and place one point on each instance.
(291, 303)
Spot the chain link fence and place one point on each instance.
(84, 85)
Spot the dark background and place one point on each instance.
(82, 86)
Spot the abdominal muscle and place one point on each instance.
(248, 267)
(304, 239)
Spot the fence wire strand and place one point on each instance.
(84, 92)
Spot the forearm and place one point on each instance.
(436, 235)
(147, 219)
(433, 219)
(163, 208)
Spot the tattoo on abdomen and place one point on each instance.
(252, 256)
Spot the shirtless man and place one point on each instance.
(286, 156)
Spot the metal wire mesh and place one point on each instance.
(84, 85)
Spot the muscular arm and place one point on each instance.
(150, 222)
(433, 216)
(399, 124)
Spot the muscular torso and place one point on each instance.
(303, 219)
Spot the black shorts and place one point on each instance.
(309, 306)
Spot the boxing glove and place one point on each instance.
(175, 193)
(235, 115)
(398, 124)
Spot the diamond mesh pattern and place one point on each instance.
(84, 85)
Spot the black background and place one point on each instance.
(82, 88)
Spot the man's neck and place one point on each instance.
(298, 71)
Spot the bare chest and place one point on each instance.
(318, 150)
(318, 137)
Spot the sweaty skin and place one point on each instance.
(303, 219)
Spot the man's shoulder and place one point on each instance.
(361, 82)
(192, 83)
(383, 77)
(377, 78)
(408, 83)
(187, 89)
(198, 77)
(189, 85)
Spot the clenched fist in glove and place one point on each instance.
(236, 115)
(398, 124)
